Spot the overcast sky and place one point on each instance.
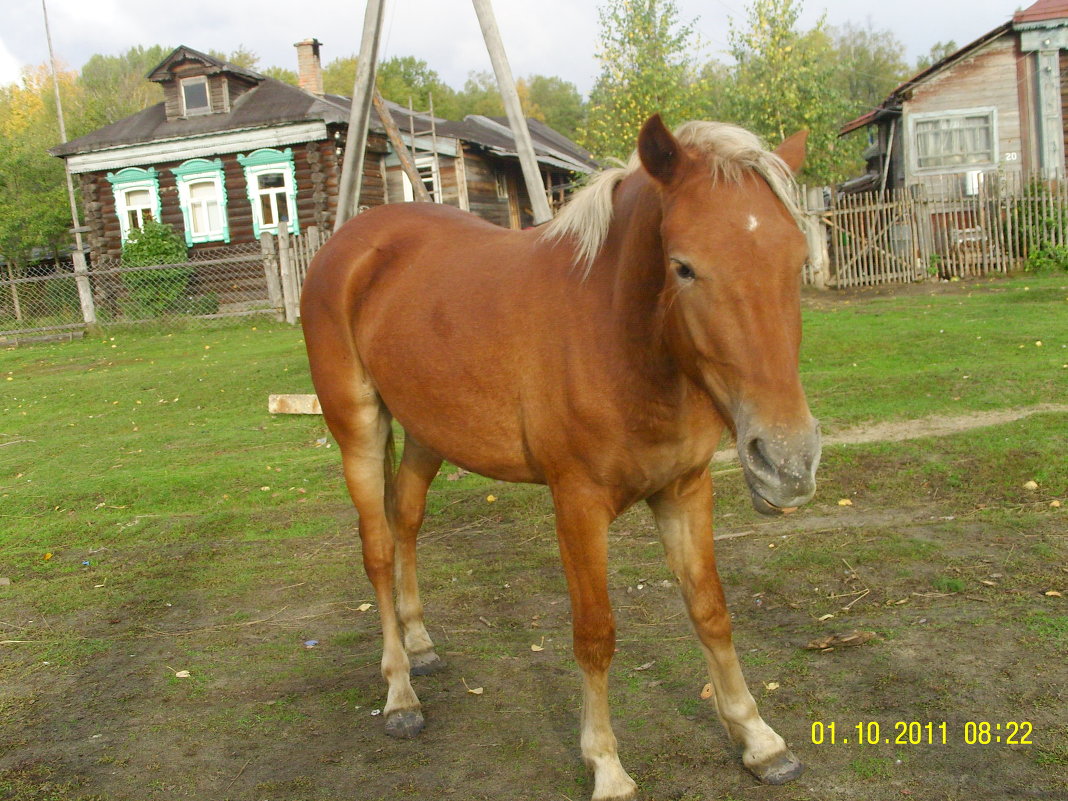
(550, 37)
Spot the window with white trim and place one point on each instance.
(136, 193)
(427, 167)
(958, 139)
(272, 189)
(194, 95)
(202, 196)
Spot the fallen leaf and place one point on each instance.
(538, 646)
(491, 498)
(988, 583)
(1053, 594)
(47, 556)
(840, 640)
(646, 666)
(706, 691)
(1055, 504)
(363, 607)
(472, 690)
(771, 685)
(1030, 485)
(828, 616)
(845, 502)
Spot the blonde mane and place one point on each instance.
(730, 152)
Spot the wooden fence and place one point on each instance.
(285, 264)
(956, 226)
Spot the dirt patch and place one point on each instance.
(828, 299)
(934, 426)
(283, 685)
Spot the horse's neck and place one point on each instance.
(634, 251)
(632, 269)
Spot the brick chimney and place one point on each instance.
(309, 67)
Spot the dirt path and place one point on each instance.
(934, 426)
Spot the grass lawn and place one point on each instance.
(155, 519)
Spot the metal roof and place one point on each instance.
(1042, 11)
(272, 103)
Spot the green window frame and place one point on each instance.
(203, 199)
(136, 193)
(271, 182)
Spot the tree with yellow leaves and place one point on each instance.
(647, 66)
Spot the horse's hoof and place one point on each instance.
(425, 663)
(779, 769)
(404, 723)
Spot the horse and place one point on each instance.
(603, 355)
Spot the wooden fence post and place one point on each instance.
(816, 236)
(290, 293)
(271, 273)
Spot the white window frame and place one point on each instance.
(915, 119)
(196, 171)
(182, 83)
(262, 162)
(431, 179)
(500, 180)
(133, 179)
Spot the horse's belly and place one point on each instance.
(471, 421)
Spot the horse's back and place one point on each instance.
(427, 303)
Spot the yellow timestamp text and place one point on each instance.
(914, 732)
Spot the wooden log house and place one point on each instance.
(231, 153)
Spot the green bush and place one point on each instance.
(154, 293)
(1047, 258)
(1039, 221)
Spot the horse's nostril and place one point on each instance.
(758, 458)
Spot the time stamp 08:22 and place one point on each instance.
(972, 732)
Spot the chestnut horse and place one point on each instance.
(602, 355)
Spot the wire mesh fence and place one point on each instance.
(220, 283)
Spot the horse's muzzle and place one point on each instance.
(779, 465)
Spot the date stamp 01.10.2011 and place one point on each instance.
(972, 732)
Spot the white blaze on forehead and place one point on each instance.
(752, 223)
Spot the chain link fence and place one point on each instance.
(220, 283)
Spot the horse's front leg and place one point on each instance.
(582, 520)
(683, 513)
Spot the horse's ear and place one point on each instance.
(658, 150)
(792, 150)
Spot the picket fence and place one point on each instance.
(948, 228)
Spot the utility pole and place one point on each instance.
(531, 175)
(81, 278)
(348, 196)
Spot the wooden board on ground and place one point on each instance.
(293, 404)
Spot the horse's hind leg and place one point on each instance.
(363, 434)
(684, 516)
(417, 469)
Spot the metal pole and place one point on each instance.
(348, 196)
(81, 278)
(527, 160)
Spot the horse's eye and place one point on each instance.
(684, 271)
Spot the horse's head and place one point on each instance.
(732, 256)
